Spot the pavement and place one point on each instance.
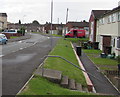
(101, 84)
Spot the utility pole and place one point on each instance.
(66, 20)
(67, 15)
(51, 21)
(58, 20)
(51, 15)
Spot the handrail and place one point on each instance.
(55, 56)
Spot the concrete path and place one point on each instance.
(102, 85)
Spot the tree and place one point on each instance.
(19, 21)
(35, 22)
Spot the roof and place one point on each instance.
(113, 10)
(79, 24)
(98, 13)
(3, 14)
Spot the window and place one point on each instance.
(113, 17)
(109, 19)
(101, 21)
(118, 42)
(118, 16)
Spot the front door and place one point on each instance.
(107, 44)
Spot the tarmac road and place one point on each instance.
(19, 44)
(17, 67)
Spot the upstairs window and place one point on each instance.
(118, 16)
(101, 21)
(113, 17)
(109, 19)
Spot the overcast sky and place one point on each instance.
(29, 10)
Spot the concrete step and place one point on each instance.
(72, 84)
(64, 82)
(52, 75)
(79, 87)
(56, 77)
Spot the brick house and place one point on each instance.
(3, 21)
(56, 28)
(95, 14)
(108, 32)
(30, 27)
(78, 25)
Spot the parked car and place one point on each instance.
(12, 31)
(3, 39)
(75, 33)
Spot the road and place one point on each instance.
(15, 46)
(20, 59)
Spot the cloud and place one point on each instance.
(40, 9)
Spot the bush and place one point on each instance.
(21, 31)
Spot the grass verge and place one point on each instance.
(41, 86)
(64, 49)
(12, 37)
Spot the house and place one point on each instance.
(3, 21)
(30, 27)
(56, 28)
(78, 25)
(108, 31)
(95, 14)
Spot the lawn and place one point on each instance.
(103, 63)
(64, 49)
(41, 86)
(57, 35)
(76, 40)
(12, 37)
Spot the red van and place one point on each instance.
(75, 33)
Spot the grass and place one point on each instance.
(57, 35)
(103, 63)
(76, 40)
(64, 49)
(41, 86)
(48, 34)
(12, 37)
